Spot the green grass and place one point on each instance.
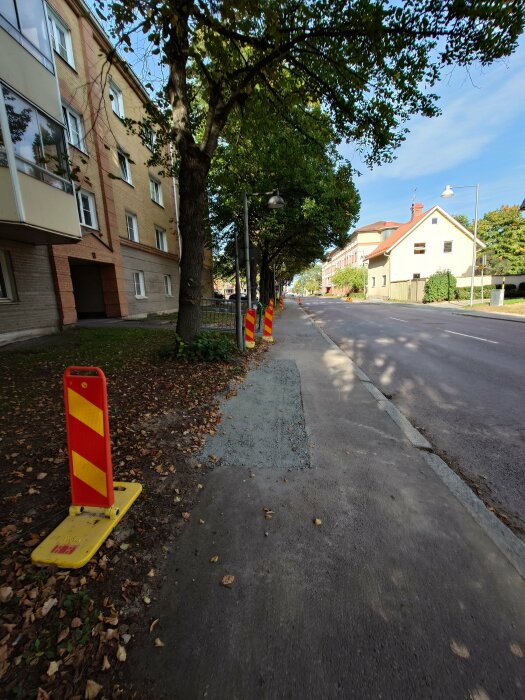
(517, 300)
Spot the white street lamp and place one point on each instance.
(275, 202)
(446, 194)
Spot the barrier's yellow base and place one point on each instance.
(268, 338)
(72, 544)
(249, 344)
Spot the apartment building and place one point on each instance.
(362, 241)
(127, 263)
(37, 199)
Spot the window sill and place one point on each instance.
(65, 62)
(90, 228)
(7, 301)
(157, 203)
(169, 296)
(126, 182)
(140, 297)
(77, 148)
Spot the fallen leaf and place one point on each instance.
(6, 593)
(105, 664)
(159, 643)
(52, 669)
(41, 694)
(268, 513)
(41, 475)
(153, 625)
(76, 622)
(459, 649)
(214, 559)
(63, 634)
(147, 599)
(50, 603)
(201, 521)
(516, 649)
(125, 638)
(124, 546)
(317, 521)
(479, 694)
(151, 573)
(92, 690)
(111, 633)
(228, 580)
(200, 486)
(121, 653)
(186, 516)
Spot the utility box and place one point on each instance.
(496, 297)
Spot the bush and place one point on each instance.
(464, 292)
(440, 286)
(206, 347)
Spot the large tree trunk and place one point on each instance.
(194, 167)
(266, 277)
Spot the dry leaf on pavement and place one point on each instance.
(214, 559)
(105, 664)
(121, 653)
(52, 668)
(317, 521)
(516, 649)
(50, 602)
(228, 580)
(159, 643)
(6, 593)
(459, 649)
(76, 622)
(147, 599)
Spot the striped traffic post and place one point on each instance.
(268, 324)
(97, 504)
(249, 328)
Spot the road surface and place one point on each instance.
(460, 379)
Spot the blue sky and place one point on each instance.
(477, 139)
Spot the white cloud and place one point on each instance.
(471, 119)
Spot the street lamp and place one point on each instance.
(275, 202)
(446, 194)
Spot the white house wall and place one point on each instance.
(404, 263)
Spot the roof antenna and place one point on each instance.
(414, 196)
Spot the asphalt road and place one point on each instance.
(458, 378)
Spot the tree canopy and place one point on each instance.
(353, 279)
(309, 281)
(369, 64)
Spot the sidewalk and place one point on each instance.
(399, 593)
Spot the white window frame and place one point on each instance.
(139, 284)
(128, 179)
(5, 270)
(116, 98)
(150, 138)
(92, 208)
(135, 226)
(373, 282)
(168, 289)
(160, 234)
(56, 25)
(155, 188)
(69, 115)
(447, 252)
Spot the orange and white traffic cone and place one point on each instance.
(268, 325)
(249, 328)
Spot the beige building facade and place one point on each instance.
(37, 200)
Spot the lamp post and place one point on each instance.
(275, 202)
(449, 192)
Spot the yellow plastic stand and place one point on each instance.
(74, 542)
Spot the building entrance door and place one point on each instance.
(87, 288)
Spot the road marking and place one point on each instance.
(398, 319)
(494, 342)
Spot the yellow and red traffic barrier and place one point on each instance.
(249, 328)
(268, 325)
(97, 504)
(299, 300)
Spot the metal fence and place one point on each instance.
(219, 314)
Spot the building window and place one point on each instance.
(25, 21)
(149, 138)
(139, 285)
(74, 127)
(160, 239)
(167, 286)
(383, 283)
(447, 247)
(124, 166)
(87, 211)
(6, 286)
(373, 282)
(60, 37)
(38, 142)
(416, 276)
(155, 190)
(419, 248)
(117, 101)
(434, 219)
(132, 227)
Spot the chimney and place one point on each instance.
(416, 210)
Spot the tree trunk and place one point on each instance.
(194, 167)
(253, 278)
(266, 277)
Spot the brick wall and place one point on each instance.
(154, 266)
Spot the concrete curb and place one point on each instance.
(512, 548)
(503, 317)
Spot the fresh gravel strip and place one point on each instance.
(263, 425)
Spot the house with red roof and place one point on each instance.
(362, 241)
(432, 240)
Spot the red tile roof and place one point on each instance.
(377, 226)
(398, 234)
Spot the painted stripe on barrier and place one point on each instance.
(85, 411)
(89, 473)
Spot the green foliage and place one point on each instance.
(503, 232)
(464, 221)
(205, 347)
(440, 286)
(463, 293)
(352, 279)
(309, 281)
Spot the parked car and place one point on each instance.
(218, 295)
(233, 297)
